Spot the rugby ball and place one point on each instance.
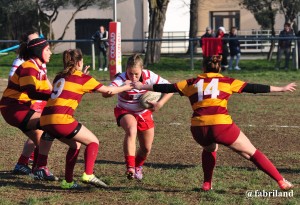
(149, 96)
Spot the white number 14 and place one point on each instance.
(211, 89)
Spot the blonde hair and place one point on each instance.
(212, 64)
(70, 58)
(134, 61)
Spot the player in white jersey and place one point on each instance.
(134, 119)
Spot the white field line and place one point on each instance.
(272, 126)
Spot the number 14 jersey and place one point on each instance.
(208, 95)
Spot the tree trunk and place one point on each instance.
(193, 25)
(272, 18)
(157, 15)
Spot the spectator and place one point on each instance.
(221, 33)
(284, 46)
(101, 37)
(208, 34)
(234, 48)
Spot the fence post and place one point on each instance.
(191, 42)
(93, 55)
(296, 54)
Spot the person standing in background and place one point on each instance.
(101, 37)
(208, 34)
(221, 34)
(234, 48)
(284, 46)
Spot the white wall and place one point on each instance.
(178, 16)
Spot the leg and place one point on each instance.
(145, 140)
(71, 158)
(209, 158)
(238, 56)
(287, 57)
(99, 60)
(105, 59)
(278, 59)
(245, 148)
(129, 124)
(86, 137)
(22, 165)
(231, 62)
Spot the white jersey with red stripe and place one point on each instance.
(129, 100)
(17, 62)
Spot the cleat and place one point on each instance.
(285, 185)
(105, 69)
(139, 173)
(43, 173)
(130, 173)
(206, 186)
(21, 169)
(66, 185)
(92, 179)
(100, 69)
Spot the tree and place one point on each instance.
(193, 25)
(50, 10)
(264, 12)
(290, 10)
(12, 17)
(157, 16)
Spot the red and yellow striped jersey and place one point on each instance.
(28, 83)
(66, 96)
(208, 95)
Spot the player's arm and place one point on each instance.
(112, 90)
(163, 88)
(259, 88)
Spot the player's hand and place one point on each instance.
(85, 71)
(290, 87)
(137, 85)
(155, 106)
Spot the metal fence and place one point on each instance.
(253, 44)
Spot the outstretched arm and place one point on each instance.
(258, 88)
(289, 87)
(163, 88)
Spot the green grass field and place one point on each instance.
(173, 172)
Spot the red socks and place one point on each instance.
(23, 160)
(90, 155)
(36, 154)
(42, 160)
(139, 161)
(71, 159)
(208, 164)
(264, 164)
(130, 161)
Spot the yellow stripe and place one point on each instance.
(29, 65)
(236, 85)
(63, 102)
(56, 119)
(26, 80)
(15, 95)
(209, 103)
(211, 120)
(73, 87)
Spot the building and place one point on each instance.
(134, 18)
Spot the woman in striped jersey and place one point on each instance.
(58, 116)
(28, 84)
(135, 119)
(212, 125)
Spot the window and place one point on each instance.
(225, 18)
